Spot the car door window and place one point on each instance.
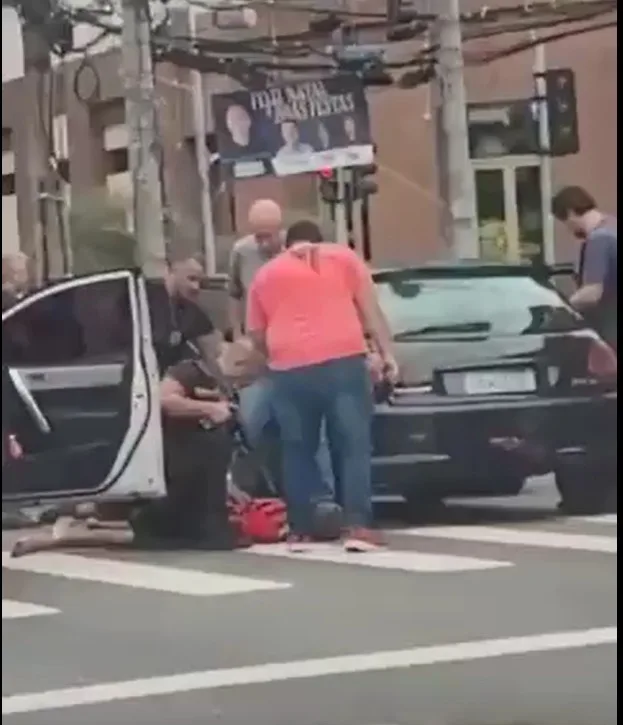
(72, 347)
(86, 323)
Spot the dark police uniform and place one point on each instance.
(197, 459)
(174, 321)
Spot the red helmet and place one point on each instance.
(263, 520)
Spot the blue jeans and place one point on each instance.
(258, 418)
(339, 392)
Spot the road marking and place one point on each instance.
(305, 669)
(139, 576)
(518, 537)
(610, 519)
(19, 610)
(390, 559)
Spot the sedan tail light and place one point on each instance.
(602, 361)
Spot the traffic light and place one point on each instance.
(401, 11)
(328, 186)
(367, 62)
(362, 185)
(404, 22)
(562, 112)
(357, 185)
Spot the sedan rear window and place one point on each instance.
(423, 306)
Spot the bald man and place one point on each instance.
(252, 252)
(264, 242)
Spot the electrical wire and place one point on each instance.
(292, 52)
(486, 12)
(298, 48)
(530, 10)
(301, 45)
(285, 6)
(521, 47)
(205, 63)
(296, 44)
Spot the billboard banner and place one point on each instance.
(295, 128)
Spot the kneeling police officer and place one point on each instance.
(197, 424)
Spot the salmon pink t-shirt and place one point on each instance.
(304, 303)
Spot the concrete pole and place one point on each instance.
(37, 189)
(201, 155)
(455, 169)
(143, 146)
(540, 67)
(341, 211)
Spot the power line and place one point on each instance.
(291, 52)
(47, 14)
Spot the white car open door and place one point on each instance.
(80, 393)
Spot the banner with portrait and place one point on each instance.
(295, 128)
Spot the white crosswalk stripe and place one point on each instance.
(414, 561)
(20, 610)
(609, 519)
(139, 576)
(518, 537)
(400, 556)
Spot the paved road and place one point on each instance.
(496, 614)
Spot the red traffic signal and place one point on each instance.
(326, 174)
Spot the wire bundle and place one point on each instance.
(253, 61)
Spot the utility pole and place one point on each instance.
(540, 68)
(38, 188)
(201, 156)
(341, 207)
(143, 147)
(456, 175)
(341, 211)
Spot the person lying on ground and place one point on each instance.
(197, 452)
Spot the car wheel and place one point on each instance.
(584, 491)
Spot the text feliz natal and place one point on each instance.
(301, 102)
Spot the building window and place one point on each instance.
(10, 225)
(116, 161)
(8, 184)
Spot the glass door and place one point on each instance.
(530, 216)
(512, 222)
(495, 214)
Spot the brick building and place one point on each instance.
(405, 213)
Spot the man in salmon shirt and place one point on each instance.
(309, 310)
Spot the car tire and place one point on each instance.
(585, 491)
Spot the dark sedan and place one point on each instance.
(501, 380)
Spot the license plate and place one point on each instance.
(503, 381)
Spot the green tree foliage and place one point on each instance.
(100, 240)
